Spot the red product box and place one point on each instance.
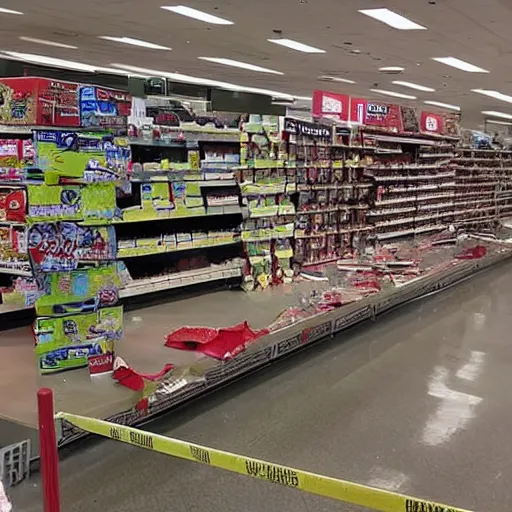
(331, 104)
(102, 363)
(39, 101)
(375, 113)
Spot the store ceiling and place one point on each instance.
(476, 31)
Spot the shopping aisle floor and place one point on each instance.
(418, 403)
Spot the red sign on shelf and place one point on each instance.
(432, 123)
(331, 104)
(374, 113)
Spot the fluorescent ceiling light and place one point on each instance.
(51, 61)
(394, 94)
(242, 65)
(336, 79)
(295, 45)
(197, 15)
(413, 86)
(497, 114)
(178, 77)
(495, 121)
(135, 42)
(47, 43)
(392, 19)
(494, 94)
(9, 11)
(460, 64)
(392, 68)
(442, 105)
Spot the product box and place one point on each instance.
(104, 108)
(39, 101)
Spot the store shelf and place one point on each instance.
(179, 280)
(15, 271)
(140, 252)
(406, 167)
(407, 232)
(414, 177)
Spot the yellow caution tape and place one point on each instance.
(376, 499)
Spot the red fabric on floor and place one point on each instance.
(222, 343)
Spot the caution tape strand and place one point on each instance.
(341, 490)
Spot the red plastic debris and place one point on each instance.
(222, 343)
(472, 253)
(131, 379)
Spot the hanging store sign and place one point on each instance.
(331, 104)
(372, 113)
(296, 127)
(432, 123)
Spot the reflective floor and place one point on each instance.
(418, 402)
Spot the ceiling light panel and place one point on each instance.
(51, 61)
(241, 65)
(496, 114)
(494, 94)
(295, 45)
(392, 19)
(197, 15)
(495, 121)
(460, 64)
(394, 94)
(392, 69)
(413, 86)
(336, 79)
(442, 105)
(135, 42)
(47, 43)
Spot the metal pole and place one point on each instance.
(48, 450)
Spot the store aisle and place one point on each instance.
(418, 402)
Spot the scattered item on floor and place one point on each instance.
(223, 343)
(472, 253)
(314, 275)
(136, 381)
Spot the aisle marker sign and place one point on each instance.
(341, 490)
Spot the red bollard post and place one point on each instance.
(48, 451)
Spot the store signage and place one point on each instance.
(286, 346)
(28, 101)
(317, 332)
(370, 113)
(376, 109)
(296, 127)
(331, 104)
(432, 123)
(352, 318)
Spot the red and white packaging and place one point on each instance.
(101, 364)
